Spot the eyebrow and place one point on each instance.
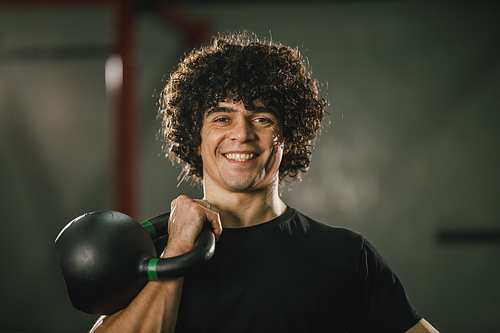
(225, 109)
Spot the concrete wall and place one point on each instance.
(410, 148)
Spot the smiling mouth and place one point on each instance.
(240, 157)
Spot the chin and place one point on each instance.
(241, 184)
(240, 187)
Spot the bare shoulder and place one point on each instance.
(422, 327)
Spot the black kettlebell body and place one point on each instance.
(99, 254)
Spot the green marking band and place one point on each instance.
(150, 229)
(152, 269)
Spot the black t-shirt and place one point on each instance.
(293, 274)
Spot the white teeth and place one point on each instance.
(240, 157)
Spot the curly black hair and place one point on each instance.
(244, 66)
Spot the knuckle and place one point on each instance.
(182, 197)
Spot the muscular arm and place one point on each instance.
(422, 327)
(155, 309)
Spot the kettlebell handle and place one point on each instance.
(165, 268)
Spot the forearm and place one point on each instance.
(153, 310)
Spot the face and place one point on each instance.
(241, 149)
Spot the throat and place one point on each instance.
(246, 213)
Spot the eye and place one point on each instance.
(221, 120)
(263, 120)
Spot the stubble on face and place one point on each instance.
(243, 181)
(265, 142)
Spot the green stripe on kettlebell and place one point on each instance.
(152, 269)
(150, 229)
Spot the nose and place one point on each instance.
(242, 131)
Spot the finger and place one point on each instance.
(173, 205)
(207, 212)
(204, 203)
(210, 206)
(213, 218)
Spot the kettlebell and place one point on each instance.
(106, 258)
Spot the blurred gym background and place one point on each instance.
(408, 155)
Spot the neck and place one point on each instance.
(244, 209)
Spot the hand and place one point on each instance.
(186, 221)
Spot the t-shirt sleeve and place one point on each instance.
(384, 304)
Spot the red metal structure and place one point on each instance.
(126, 129)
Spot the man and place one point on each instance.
(239, 115)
